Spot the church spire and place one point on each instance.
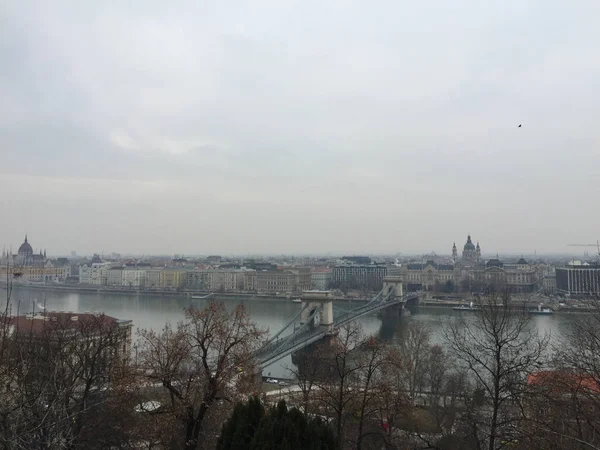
(26, 238)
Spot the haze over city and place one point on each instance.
(283, 127)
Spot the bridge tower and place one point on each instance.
(320, 302)
(390, 284)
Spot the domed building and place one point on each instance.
(25, 252)
(26, 257)
(29, 266)
(471, 252)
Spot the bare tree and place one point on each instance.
(374, 359)
(341, 367)
(203, 362)
(307, 372)
(565, 402)
(414, 353)
(498, 347)
(62, 373)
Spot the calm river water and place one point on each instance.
(149, 311)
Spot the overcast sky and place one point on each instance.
(299, 126)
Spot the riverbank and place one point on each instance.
(441, 305)
(88, 289)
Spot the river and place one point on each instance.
(150, 311)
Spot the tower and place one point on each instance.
(454, 252)
(478, 251)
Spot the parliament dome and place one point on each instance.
(25, 248)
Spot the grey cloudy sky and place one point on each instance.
(299, 126)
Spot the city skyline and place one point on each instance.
(583, 253)
(157, 128)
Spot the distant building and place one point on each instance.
(302, 278)
(359, 276)
(428, 275)
(225, 279)
(84, 274)
(37, 274)
(549, 284)
(320, 278)
(172, 278)
(519, 277)
(29, 266)
(261, 265)
(99, 273)
(133, 277)
(361, 260)
(471, 252)
(114, 276)
(578, 278)
(152, 280)
(250, 280)
(275, 281)
(26, 256)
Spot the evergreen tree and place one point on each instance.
(280, 428)
(238, 431)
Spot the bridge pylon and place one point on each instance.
(392, 284)
(321, 303)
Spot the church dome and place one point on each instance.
(469, 245)
(25, 249)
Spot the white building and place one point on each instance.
(84, 274)
(99, 273)
(114, 276)
(133, 277)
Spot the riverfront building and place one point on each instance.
(28, 265)
(578, 278)
(471, 272)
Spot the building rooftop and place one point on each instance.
(60, 320)
(561, 381)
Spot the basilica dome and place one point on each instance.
(469, 245)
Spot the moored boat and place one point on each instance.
(468, 307)
(541, 311)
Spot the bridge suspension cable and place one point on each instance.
(276, 335)
(276, 348)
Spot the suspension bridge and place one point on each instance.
(318, 318)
